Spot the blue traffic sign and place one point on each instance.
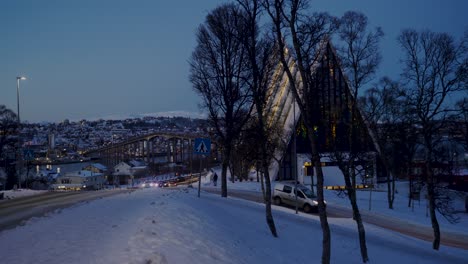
(202, 146)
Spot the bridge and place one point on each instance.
(158, 147)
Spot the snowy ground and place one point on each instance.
(12, 194)
(156, 225)
(417, 213)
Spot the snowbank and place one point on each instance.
(12, 194)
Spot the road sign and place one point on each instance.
(202, 146)
(28, 154)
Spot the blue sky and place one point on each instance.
(88, 59)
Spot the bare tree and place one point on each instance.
(8, 140)
(8, 128)
(461, 117)
(219, 73)
(386, 111)
(434, 67)
(360, 56)
(260, 50)
(305, 33)
(359, 53)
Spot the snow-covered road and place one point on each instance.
(174, 226)
(13, 212)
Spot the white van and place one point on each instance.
(285, 193)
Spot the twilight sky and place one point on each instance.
(99, 58)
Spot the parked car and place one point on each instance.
(179, 179)
(168, 183)
(285, 193)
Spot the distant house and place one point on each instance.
(45, 173)
(120, 131)
(459, 180)
(45, 177)
(125, 172)
(80, 180)
(96, 168)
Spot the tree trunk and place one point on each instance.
(262, 184)
(389, 191)
(266, 174)
(361, 231)
(326, 241)
(435, 223)
(431, 198)
(232, 170)
(410, 195)
(269, 215)
(350, 181)
(225, 164)
(392, 198)
(348, 176)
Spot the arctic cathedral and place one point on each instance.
(331, 112)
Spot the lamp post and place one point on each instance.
(18, 79)
(18, 164)
(295, 154)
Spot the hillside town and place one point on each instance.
(66, 140)
(48, 147)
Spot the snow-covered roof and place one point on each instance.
(137, 163)
(139, 167)
(45, 172)
(122, 164)
(83, 173)
(99, 166)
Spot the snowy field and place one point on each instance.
(156, 225)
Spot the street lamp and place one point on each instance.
(18, 79)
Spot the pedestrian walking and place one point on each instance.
(215, 178)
